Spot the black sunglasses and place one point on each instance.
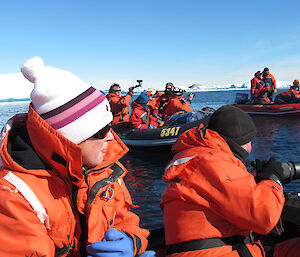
(102, 133)
(116, 90)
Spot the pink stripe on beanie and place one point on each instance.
(69, 105)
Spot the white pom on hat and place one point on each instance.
(31, 67)
(66, 103)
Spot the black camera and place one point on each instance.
(291, 170)
(140, 83)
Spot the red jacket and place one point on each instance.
(51, 166)
(211, 194)
(292, 92)
(177, 105)
(258, 88)
(119, 107)
(141, 118)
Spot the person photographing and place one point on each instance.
(211, 203)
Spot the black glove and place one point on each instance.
(270, 169)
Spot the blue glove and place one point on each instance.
(115, 244)
(151, 126)
(159, 121)
(148, 254)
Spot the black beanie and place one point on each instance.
(234, 123)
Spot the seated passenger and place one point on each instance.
(153, 98)
(257, 79)
(163, 100)
(259, 90)
(177, 103)
(140, 116)
(290, 96)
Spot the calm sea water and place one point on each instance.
(277, 137)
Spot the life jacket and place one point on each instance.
(141, 118)
(119, 107)
(260, 89)
(72, 198)
(211, 195)
(177, 105)
(270, 80)
(254, 82)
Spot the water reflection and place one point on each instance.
(145, 184)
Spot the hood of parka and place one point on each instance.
(38, 149)
(199, 136)
(192, 143)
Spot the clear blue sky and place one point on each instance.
(183, 41)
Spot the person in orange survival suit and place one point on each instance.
(290, 96)
(177, 103)
(211, 203)
(257, 79)
(163, 100)
(61, 184)
(153, 98)
(268, 78)
(141, 115)
(119, 105)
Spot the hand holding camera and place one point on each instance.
(285, 172)
(139, 81)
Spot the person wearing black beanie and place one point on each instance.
(236, 127)
(211, 198)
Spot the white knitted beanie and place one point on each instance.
(69, 105)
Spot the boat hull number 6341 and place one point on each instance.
(169, 132)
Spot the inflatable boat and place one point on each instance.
(286, 229)
(163, 137)
(274, 109)
(281, 110)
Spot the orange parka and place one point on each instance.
(50, 165)
(271, 80)
(120, 107)
(177, 105)
(210, 194)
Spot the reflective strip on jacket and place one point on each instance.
(55, 176)
(120, 107)
(211, 194)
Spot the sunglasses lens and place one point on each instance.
(102, 133)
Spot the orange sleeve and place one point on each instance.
(21, 232)
(274, 81)
(242, 201)
(125, 100)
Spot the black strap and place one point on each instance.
(117, 172)
(238, 243)
(242, 250)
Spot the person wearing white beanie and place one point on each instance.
(60, 165)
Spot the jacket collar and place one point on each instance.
(51, 149)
